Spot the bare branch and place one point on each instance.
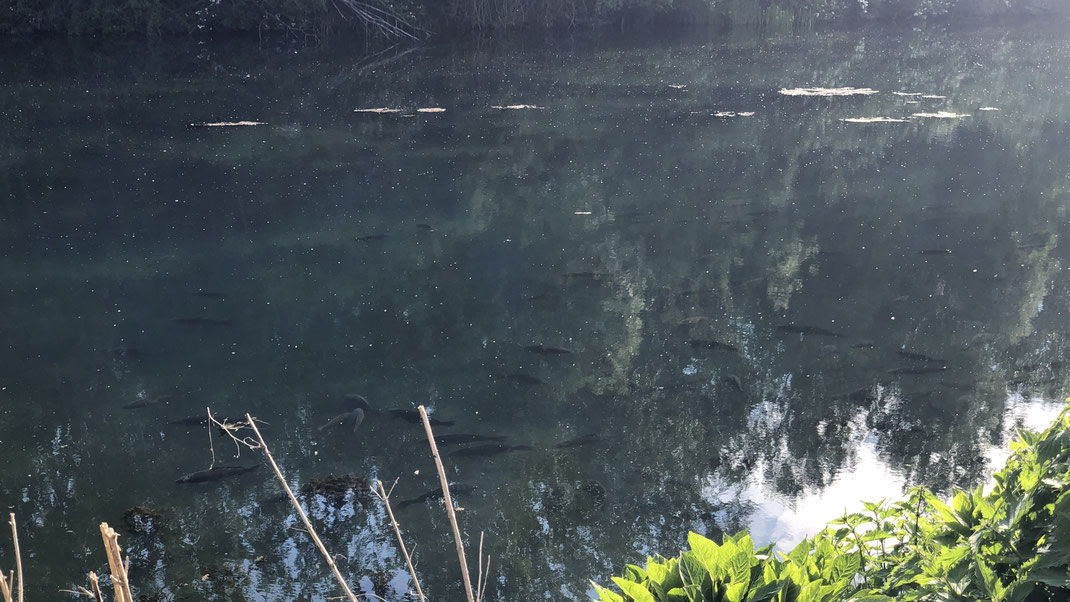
(384, 495)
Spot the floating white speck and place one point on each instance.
(988, 109)
(907, 93)
(514, 107)
(873, 120)
(225, 124)
(377, 110)
(431, 110)
(933, 97)
(940, 115)
(827, 91)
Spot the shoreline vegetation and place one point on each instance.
(1009, 544)
(422, 19)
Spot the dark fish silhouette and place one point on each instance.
(193, 421)
(354, 401)
(712, 345)
(547, 349)
(919, 357)
(733, 380)
(918, 369)
(426, 227)
(413, 416)
(371, 237)
(936, 252)
(214, 474)
(436, 494)
(356, 416)
(489, 450)
(147, 401)
(458, 439)
(202, 321)
(588, 439)
(525, 379)
(812, 330)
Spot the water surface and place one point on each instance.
(768, 316)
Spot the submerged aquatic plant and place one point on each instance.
(1010, 544)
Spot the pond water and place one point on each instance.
(748, 320)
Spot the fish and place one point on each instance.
(588, 439)
(458, 439)
(413, 416)
(918, 369)
(712, 345)
(935, 252)
(812, 330)
(525, 379)
(368, 237)
(919, 357)
(355, 416)
(489, 450)
(733, 380)
(547, 349)
(214, 474)
(436, 494)
(202, 321)
(147, 401)
(355, 401)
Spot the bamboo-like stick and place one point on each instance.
(383, 495)
(301, 513)
(18, 556)
(95, 582)
(449, 507)
(4, 588)
(119, 576)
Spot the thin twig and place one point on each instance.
(4, 588)
(384, 495)
(95, 582)
(449, 506)
(18, 556)
(300, 512)
(479, 574)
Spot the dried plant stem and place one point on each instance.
(16, 577)
(449, 507)
(383, 495)
(482, 577)
(301, 513)
(4, 588)
(119, 574)
(95, 582)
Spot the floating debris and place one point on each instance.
(514, 107)
(873, 120)
(431, 110)
(933, 97)
(225, 124)
(677, 86)
(378, 110)
(581, 213)
(907, 93)
(143, 520)
(827, 91)
(940, 115)
(335, 487)
(913, 102)
(988, 109)
(727, 114)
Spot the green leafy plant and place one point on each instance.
(1011, 544)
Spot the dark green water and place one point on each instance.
(411, 258)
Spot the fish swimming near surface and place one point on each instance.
(436, 494)
(712, 345)
(588, 439)
(547, 349)
(811, 330)
(413, 416)
(354, 401)
(425, 227)
(202, 321)
(147, 401)
(356, 416)
(215, 474)
(918, 369)
(919, 357)
(733, 380)
(461, 438)
(489, 450)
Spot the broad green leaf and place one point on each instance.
(765, 591)
(707, 553)
(606, 595)
(633, 590)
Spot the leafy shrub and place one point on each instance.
(1011, 544)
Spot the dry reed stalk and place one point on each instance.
(14, 578)
(449, 507)
(95, 582)
(119, 572)
(482, 578)
(301, 513)
(383, 495)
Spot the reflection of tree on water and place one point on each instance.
(711, 231)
